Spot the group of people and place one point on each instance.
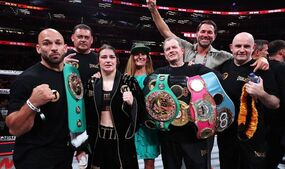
(116, 110)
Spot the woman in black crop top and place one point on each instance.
(112, 124)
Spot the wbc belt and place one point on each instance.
(75, 102)
(202, 107)
(161, 104)
(224, 105)
(178, 85)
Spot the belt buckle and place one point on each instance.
(162, 105)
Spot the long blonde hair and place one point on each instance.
(131, 66)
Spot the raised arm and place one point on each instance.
(21, 121)
(159, 22)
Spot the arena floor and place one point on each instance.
(214, 160)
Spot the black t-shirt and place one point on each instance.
(47, 141)
(87, 65)
(185, 70)
(234, 79)
(186, 133)
(276, 117)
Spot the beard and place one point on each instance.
(53, 62)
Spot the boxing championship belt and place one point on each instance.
(75, 102)
(225, 106)
(202, 107)
(178, 85)
(161, 104)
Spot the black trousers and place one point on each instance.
(236, 154)
(275, 151)
(194, 154)
(106, 152)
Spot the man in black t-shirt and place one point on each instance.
(243, 144)
(81, 54)
(180, 142)
(86, 61)
(38, 109)
(275, 119)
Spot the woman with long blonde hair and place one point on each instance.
(140, 65)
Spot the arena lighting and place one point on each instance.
(5, 91)
(27, 44)
(22, 6)
(74, 1)
(10, 72)
(11, 30)
(261, 12)
(189, 34)
(3, 42)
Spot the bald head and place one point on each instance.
(51, 47)
(242, 47)
(242, 37)
(49, 32)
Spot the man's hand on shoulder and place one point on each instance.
(260, 64)
(69, 59)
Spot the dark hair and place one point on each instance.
(106, 46)
(275, 46)
(259, 43)
(82, 26)
(208, 22)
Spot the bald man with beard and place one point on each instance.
(38, 116)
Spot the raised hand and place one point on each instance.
(255, 89)
(128, 97)
(41, 95)
(70, 60)
(151, 4)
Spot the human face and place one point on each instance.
(82, 40)
(264, 51)
(140, 59)
(206, 35)
(51, 47)
(107, 61)
(173, 52)
(242, 48)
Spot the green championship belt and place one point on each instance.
(161, 104)
(75, 102)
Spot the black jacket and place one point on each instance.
(125, 117)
